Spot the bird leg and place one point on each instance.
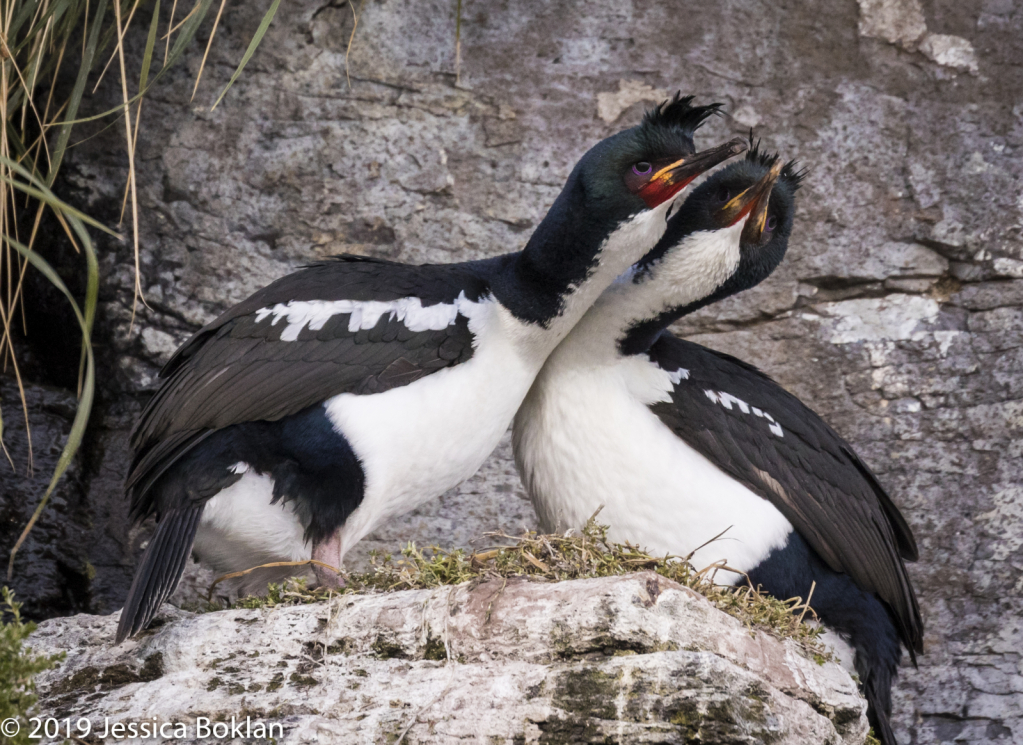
(329, 552)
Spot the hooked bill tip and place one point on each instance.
(738, 145)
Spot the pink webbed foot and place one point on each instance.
(328, 552)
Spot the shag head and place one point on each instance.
(624, 183)
(758, 191)
(649, 164)
(728, 236)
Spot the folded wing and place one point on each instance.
(764, 437)
(348, 325)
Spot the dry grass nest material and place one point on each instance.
(553, 558)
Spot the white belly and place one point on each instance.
(240, 529)
(414, 442)
(418, 441)
(584, 437)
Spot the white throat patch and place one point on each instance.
(688, 272)
(697, 267)
(624, 247)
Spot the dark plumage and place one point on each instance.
(857, 614)
(811, 475)
(850, 538)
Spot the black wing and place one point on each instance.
(766, 438)
(237, 369)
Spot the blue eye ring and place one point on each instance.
(643, 168)
(771, 224)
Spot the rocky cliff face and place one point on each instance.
(634, 659)
(896, 314)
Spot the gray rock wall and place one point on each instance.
(896, 315)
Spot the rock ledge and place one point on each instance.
(633, 659)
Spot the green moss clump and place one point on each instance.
(301, 681)
(388, 650)
(586, 693)
(435, 650)
(686, 715)
(554, 558)
(18, 667)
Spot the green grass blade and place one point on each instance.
(64, 16)
(147, 58)
(256, 39)
(18, 42)
(69, 21)
(74, 218)
(14, 141)
(91, 296)
(185, 35)
(25, 12)
(55, 203)
(41, 191)
(81, 420)
(87, 384)
(91, 301)
(76, 93)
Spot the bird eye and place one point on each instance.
(642, 168)
(723, 194)
(771, 224)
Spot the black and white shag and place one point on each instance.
(680, 444)
(355, 389)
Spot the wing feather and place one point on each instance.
(238, 369)
(809, 472)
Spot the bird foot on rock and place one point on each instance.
(328, 552)
(328, 578)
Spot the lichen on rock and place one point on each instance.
(648, 661)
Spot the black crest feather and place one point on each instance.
(790, 172)
(757, 156)
(679, 112)
(795, 177)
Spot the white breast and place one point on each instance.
(585, 437)
(240, 529)
(418, 441)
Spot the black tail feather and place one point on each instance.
(879, 711)
(859, 617)
(158, 574)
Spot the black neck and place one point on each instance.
(534, 283)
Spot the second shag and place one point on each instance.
(679, 443)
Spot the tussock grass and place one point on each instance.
(39, 41)
(553, 558)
